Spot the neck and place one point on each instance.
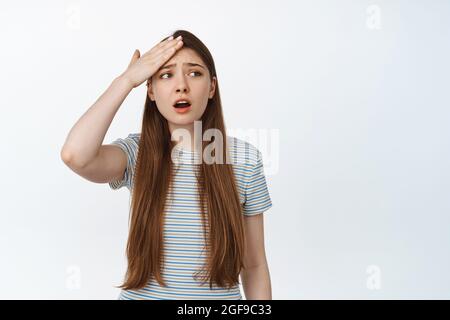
(185, 142)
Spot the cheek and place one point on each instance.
(161, 93)
(203, 89)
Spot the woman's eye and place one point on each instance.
(168, 73)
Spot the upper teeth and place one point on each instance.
(183, 101)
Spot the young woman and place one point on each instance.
(195, 226)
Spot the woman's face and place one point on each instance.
(183, 76)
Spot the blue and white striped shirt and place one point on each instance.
(184, 244)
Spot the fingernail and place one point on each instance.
(170, 38)
(179, 37)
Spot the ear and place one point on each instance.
(213, 87)
(150, 90)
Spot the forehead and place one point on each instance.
(184, 55)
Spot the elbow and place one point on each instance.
(70, 159)
(65, 155)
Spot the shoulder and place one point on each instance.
(131, 141)
(250, 178)
(134, 137)
(129, 144)
(243, 152)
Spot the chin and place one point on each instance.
(183, 121)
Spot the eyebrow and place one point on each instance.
(191, 64)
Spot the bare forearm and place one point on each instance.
(86, 136)
(256, 283)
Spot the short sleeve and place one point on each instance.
(130, 146)
(257, 197)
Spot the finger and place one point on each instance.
(168, 52)
(169, 44)
(135, 57)
(158, 46)
(163, 56)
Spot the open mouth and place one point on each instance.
(182, 107)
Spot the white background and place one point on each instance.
(358, 91)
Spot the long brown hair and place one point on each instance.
(218, 196)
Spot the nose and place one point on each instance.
(181, 85)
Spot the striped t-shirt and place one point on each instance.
(183, 241)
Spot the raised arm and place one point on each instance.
(83, 150)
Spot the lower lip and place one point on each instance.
(182, 110)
